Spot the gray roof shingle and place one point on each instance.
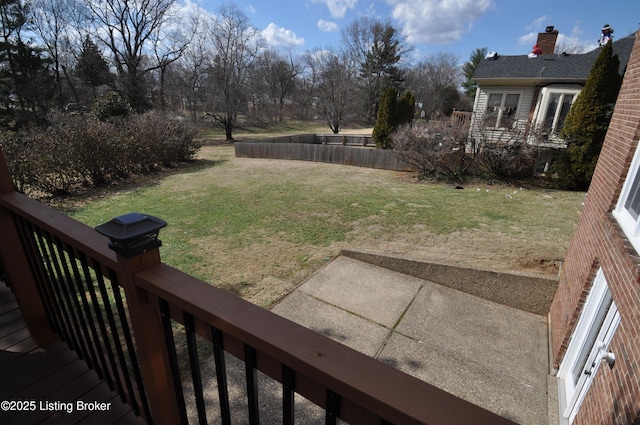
(569, 68)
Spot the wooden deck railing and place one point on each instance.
(461, 119)
(129, 317)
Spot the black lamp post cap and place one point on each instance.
(132, 234)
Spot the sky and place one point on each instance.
(458, 27)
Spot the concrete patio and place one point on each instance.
(491, 354)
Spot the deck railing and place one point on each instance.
(461, 119)
(175, 347)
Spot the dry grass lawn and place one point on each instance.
(260, 227)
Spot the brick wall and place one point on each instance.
(614, 396)
(547, 41)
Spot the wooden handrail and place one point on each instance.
(62, 226)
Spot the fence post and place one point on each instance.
(18, 270)
(133, 256)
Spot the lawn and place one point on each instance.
(259, 227)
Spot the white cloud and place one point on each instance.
(528, 39)
(338, 8)
(370, 11)
(281, 37)
(537, 23)
(327, 26)
(437, 21)
(251, 9)
(577, 28)
(572, 44)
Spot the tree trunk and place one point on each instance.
(228, 127)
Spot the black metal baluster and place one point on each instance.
(101, 325)
(96, 351)
(41, 264)
(332, 409)
(194, 361)
(288, 394)
(67, 332)
(108, 334)
(173, 359)
(221, 376)
(83, 332)
(126, 332)
(252, 384)
(113, 331)
(57, 259)
(27, 236)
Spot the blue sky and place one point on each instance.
(508, 27)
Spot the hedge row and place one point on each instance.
(77, 151)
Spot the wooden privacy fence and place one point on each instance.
(129, 316)
(354, 150)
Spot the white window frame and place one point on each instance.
(498, 125)
(544, 101)
(591, 337)
(630, 225)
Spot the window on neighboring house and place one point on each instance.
(553, 106)
(627, 211)
(590, 340)
(501, 110)
(557, 111)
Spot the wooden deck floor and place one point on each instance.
(52, 377)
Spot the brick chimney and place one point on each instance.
(547, 40)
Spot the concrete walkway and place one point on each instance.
(490, 354)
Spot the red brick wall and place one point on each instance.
(614, 396)
(547, 41)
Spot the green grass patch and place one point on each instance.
(239, 222)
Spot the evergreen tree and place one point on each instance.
(386, 121)
(26, 85)
(587, 122)
(377, 47)
(469, 68)
(406, 109)
(92, 68)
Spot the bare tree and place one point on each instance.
(333, 76)
(435, 81)
(132, 30)
(170, 43)
(273, 79)
(236, 45)
(188, 75)
(52, 21)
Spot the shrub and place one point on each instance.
(386, 121)
(79, 151)
(110, 105)
(392, 114)
(435, 151)
(508, 161)
(406, 109)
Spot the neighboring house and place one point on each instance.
(595, 316)
(517, 91)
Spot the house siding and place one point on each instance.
(527, 98)
(613, 397)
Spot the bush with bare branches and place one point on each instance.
(435, 150)
(440, 151)
(77, 151)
